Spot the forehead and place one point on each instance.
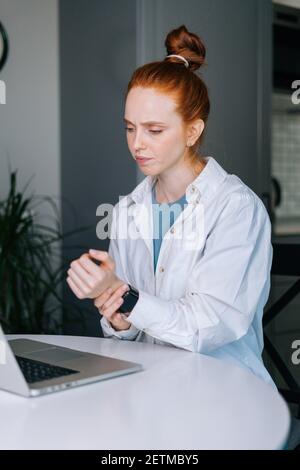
(147, 104)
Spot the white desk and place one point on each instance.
(181, 400)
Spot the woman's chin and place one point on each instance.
(149, 171)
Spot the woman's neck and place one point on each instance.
(172, 186)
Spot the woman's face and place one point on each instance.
(155, 131)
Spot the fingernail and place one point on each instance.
(109, 291)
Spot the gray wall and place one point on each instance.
(238, 38)
(29, 121)
(97, 57)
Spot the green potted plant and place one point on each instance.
(31, 272)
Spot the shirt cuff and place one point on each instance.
(109, 331)
(149, 312)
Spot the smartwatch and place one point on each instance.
(130, 299)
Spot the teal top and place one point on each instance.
(164, 216)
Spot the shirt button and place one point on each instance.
(161, 269)
(193, 189)
(172, 230)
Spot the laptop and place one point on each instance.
(32, 368)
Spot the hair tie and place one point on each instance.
(180, 57)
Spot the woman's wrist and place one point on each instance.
(116, 284)
(122, 325)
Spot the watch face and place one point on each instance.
(3, 46)
(130, 299)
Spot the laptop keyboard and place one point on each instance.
(36, 371)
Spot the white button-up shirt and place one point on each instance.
(212, 279)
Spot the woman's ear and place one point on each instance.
(194, 131)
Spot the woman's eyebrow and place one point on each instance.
(148, 123)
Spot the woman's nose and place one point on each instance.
(138, 141)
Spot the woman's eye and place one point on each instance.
(130, 129)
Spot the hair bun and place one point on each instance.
(180, 41)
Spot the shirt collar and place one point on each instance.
(203, 187)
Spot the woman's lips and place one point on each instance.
(143, 160)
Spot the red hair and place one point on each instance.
(172, 77)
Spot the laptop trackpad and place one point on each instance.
(55, 354)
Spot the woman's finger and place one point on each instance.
(99, 301)
(116, 295)
(85, 261)
(77, 281)
(81, 273)
(74, 288)
(113, 308)
(104, 257)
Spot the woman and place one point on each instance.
(200, 280)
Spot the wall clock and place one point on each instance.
(3, 46)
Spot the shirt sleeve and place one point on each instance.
(225, 285)
(109, 332)
(107, 328)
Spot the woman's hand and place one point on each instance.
(108, 304)
(89, 280)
